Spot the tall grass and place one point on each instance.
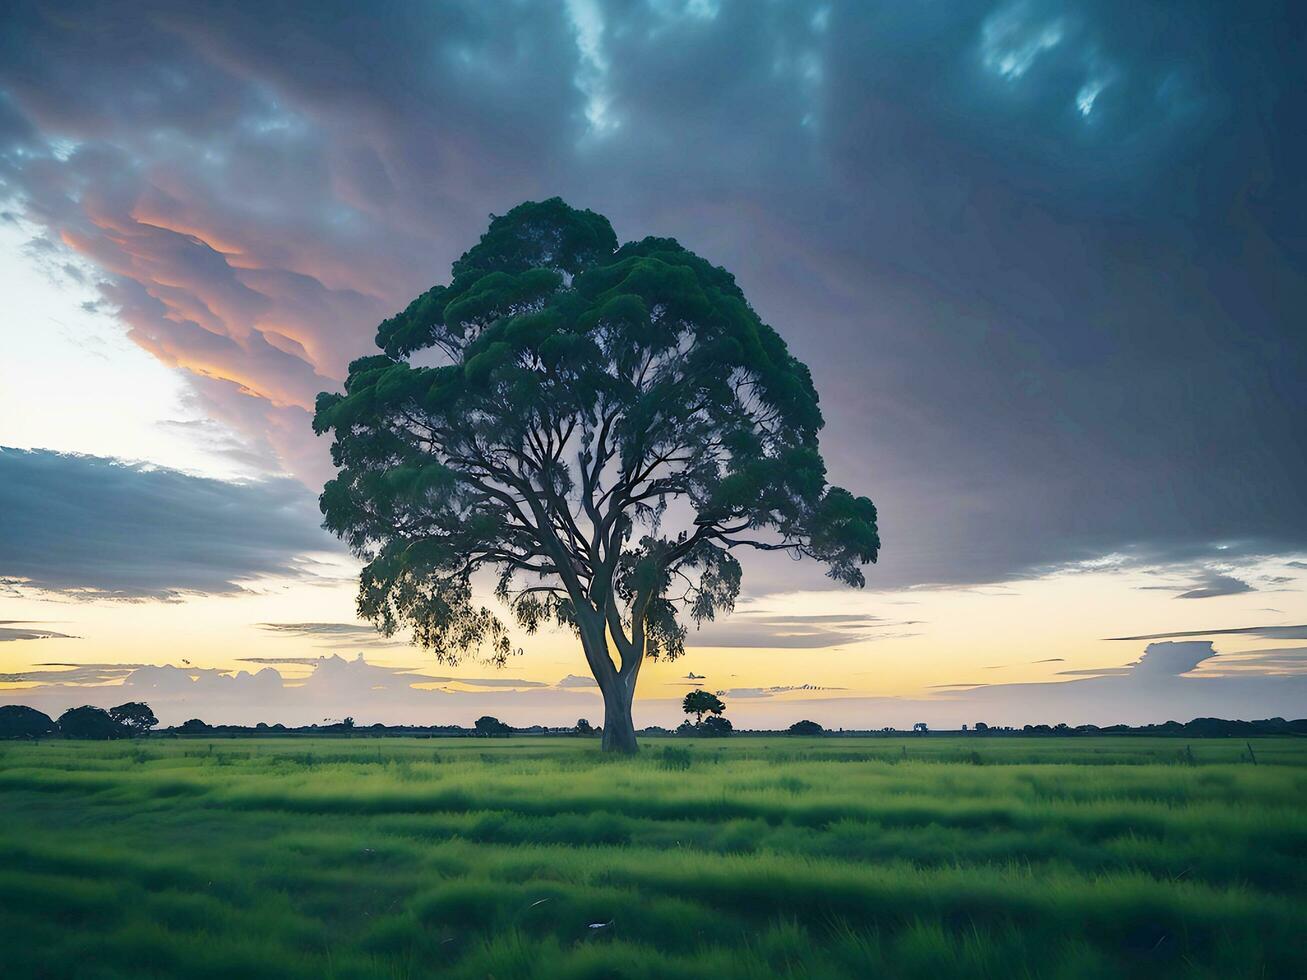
(743, 858)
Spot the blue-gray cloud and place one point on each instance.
(86, 525)
(792, 631)
(1216, 585)
(1298, 632)
(337, 635)
(1210, 584)
(1044, 258)
(13, 629)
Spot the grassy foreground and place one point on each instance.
(752, 857)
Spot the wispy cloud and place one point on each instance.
(335, 635)
(764, 630)
(1215, 585)
(1267, 632)
(576, 682)
(17, 629)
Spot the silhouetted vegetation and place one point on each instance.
(90, 723)
(700, 703)
(135, 716)
(715, 726)
(20, 721)
(488, 725)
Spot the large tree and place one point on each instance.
(136, 716)
(598, 429)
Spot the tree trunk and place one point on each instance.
(619, 727)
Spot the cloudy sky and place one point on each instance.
(1045, 259)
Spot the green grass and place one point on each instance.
(750, 857)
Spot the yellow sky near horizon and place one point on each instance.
(1015, 633)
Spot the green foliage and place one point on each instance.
(600, 426)
(366, 858)
(674, 759)
(700, 703)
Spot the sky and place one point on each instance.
(1046, 260)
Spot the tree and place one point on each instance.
(489, 725)
(20, 721)
(598, 429)
(583, 727)
(193, 726)
(715, 726)
(91, 723)
(135, 716)
(806, 727)
(700, 703)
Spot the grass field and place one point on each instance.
(750, 857)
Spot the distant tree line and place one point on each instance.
(135, 718)
(88, 722)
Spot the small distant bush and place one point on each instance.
(677, 760)
(193, 726)
(716, 727)
(806, 727)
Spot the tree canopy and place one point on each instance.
(597, 428)
(90, 722)
(135, 716)
(20, 721)
(700, 703)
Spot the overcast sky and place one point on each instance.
(1045, 259)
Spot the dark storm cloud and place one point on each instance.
(93, 526)
(1044, 258)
